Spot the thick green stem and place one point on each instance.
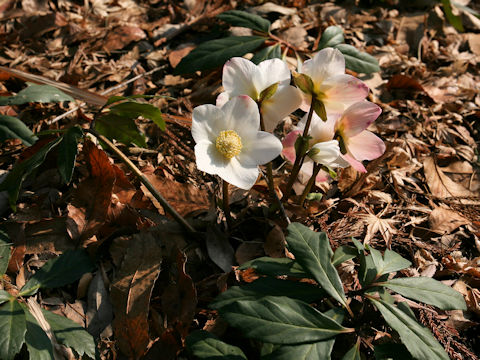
(311, 181)
(299, 158)
(166, 206)
(226, 204)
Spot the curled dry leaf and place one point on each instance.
(445, 220)
(121, 36)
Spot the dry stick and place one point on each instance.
(226, 204)
(311, 181)
(166, 206)
(299, 158)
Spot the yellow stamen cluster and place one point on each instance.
(229, 143)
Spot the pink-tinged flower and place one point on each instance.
(356, 142)
(242, 77)
(228, 142)
(331, 85)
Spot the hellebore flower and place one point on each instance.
(267, 83)
(228, 142)
(329, 84)
(357, 143)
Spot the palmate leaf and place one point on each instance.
(428, 291)
(36, 93)
(4, 252)
(332, 36)
(392, 351)
(390, 262)
(206, 346)
(281, 320)
(120, 128)
(134, 109)
(245, 19)
(344, 253)
(5, 296)
(418, 339)
(39, 345)
(313, 252)
(12, 329)
(13, 128)
(67, 152)
(65, 269)
(275, 267)
(214, 53)
(358, 61)
(270, 52)
(353, 353)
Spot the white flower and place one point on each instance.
(242, 77)
(228, 142)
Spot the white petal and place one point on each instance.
(286, 100)
(206, 122)
(242, 115)
(259, 150)
(269, 72)
(239, 175)
(222, 99)
(325, 152)
(321, 130)
(326, 63)
(237, 79)
(208, 158)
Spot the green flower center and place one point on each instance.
(229, 143)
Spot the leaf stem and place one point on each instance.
(226, 204)
(299, 158)
(311, 181)
(166, 206)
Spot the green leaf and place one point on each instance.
(244, 19)
(428, 291)
(393, 262)
(13, 128)
(344, 253)
(70, 334)
(270, 52)
(39, 345)
(358, 61)
(121, 128)
(392, 351)
(304, 83)
(281, 320)
(12, 329)
(353, 353)
(367, 271)
(67, 152)
(313, 252)
(117, 98)
(134, 110)
(63, 270)
(332, 36)
(36, 93)
(418, 339)
(16, 176)
(320, 110)
(214, 53)
(4, 252)
(269, 286)
(455, 21)
(275, 267)
(268, 92)
(5, 296)
(204, 345)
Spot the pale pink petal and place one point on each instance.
(269, 72)
(343, 89)
(358, 117)
(286, 100)
(289, 145)
(222, 99)
(366, 146)
(238, 76)
(207, 121)
(321, 130)
(326, 63)
(357, 165)
(321, 177)
(261, 149)
(242, 115)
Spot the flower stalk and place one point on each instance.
(311, 181)
(226, 205)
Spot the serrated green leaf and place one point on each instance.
(428, 291)
(353, 353)
(12, 329)
(332, 36)
(418, 339)
(245, 19)
(269, 286)
(455, 21)
(392, 351)
(214, 53)
(60, 271)
(16, 176)
(5, 296)
(313, 252)
(344, 253)
(270, 52)
(4, 252)
(36, 93)
(275, 267)
(206, 346)
(120, 128)
(13, 128)
(358, 61)
(134, 110)
(39, 345)
(70, 334)
(67, 152)
(280, 320)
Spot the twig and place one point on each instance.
(166, 206)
